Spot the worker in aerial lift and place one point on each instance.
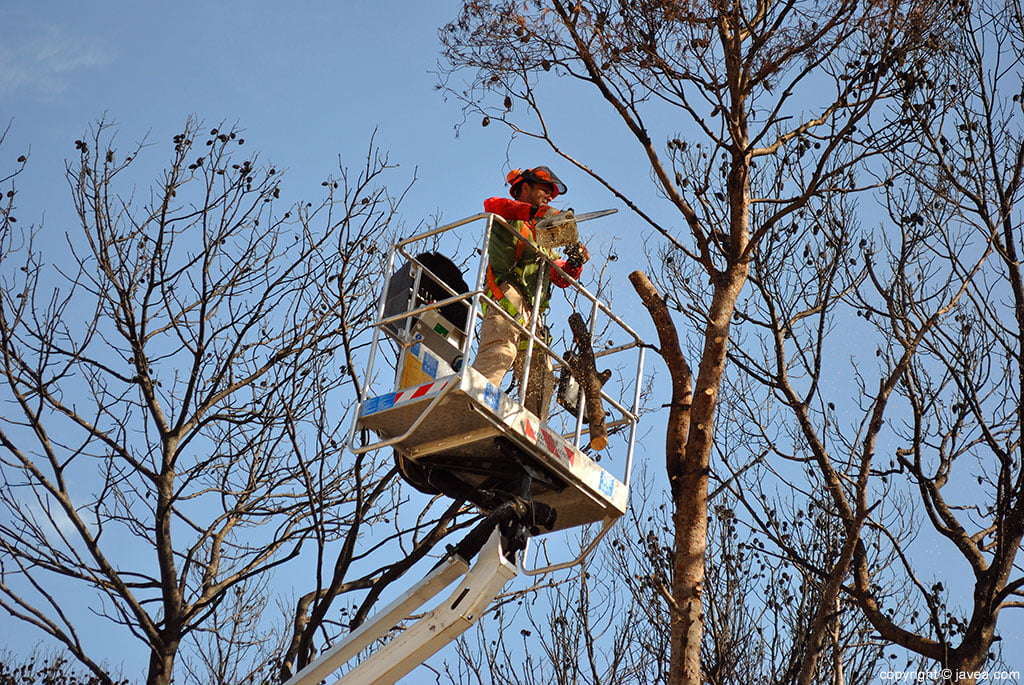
(512, 280)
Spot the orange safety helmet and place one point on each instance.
(540, 174)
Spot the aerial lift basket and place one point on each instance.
(456, 434)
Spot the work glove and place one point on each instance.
(577, 255)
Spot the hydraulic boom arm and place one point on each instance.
(424, 637)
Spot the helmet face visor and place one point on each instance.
(540, 174)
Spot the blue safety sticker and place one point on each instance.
(376, 404)
(607, 485)
(492, 396)
(415, 350)
(430, 365)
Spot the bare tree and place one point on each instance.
(606, 622)
(929, 310)
(176, 373)
(761, 603)
(44, 669)
(757, 81)
(960, 447)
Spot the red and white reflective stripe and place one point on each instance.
(567, 452)
(530, 433)
(420, 391)
(549, 441)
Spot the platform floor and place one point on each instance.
(460, 418)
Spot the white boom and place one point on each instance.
(427, 635)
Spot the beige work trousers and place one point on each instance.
(498, 351)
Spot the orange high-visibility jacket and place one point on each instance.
(512, 260)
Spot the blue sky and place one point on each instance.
(308, 81)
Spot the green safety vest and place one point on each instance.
(517, 263)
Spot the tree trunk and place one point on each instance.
(692, 496)
(687, 453)
(689, 496)
(161, 664)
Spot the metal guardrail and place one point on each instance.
(624, 405)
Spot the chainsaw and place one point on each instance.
(559, 229)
